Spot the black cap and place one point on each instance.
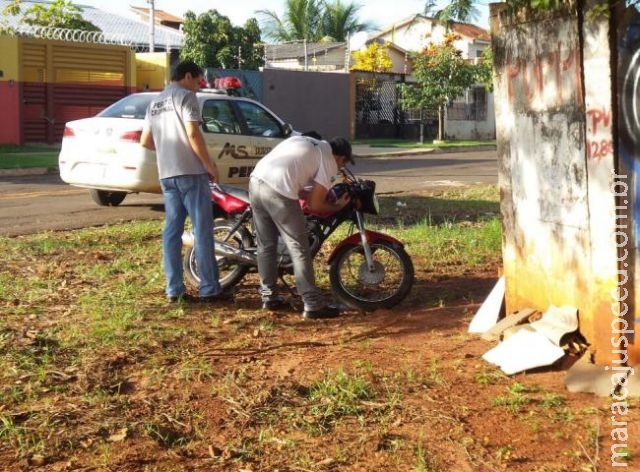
(341, 147)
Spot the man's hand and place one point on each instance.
(319, 203)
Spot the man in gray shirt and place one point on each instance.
(172, 128)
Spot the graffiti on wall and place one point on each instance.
(548, 80)
(599, 143)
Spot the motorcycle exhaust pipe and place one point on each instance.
(232, 254)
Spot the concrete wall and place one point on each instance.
(553, 100)
(152, 70)
(319, 101)
(10, 90)
(480, 129)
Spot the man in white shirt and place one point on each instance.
(275, 186)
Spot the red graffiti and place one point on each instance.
(598, 117)
(599, 149)
(530, 76)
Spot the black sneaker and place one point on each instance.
(183, 298)
(329, 311)
(225, 295)
(274, 304)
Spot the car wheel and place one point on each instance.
(107, 198)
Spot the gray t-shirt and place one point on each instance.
(166, 116)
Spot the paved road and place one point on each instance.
(423, 171)
(30, 204)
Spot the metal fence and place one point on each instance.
(379, 114)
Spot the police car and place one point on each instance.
(103, 154)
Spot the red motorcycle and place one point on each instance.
(367, 269)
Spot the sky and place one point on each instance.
(378, 12)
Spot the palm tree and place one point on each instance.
(302, 20)
(340, 21)
(457, 10)
(313, 20)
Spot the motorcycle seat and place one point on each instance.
(237, 192)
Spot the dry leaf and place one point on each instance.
(118, 436)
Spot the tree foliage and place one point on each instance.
(485, 69)
(57, 14)
(302, 20)
(441, 74)
(339, 21)
(212, 41)
(313, 21)
(375, 58)
(465, 11)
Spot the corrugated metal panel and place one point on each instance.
(90, 58)
(75, 101)
(83, 80)
(64, 75)
(34, 124)
(34, 55)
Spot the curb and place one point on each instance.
(370, 153)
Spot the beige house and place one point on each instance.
(470, 116)
(305, 56)
(418, 31)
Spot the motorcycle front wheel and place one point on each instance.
(230, 273)
(355, 284)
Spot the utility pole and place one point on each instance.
(152, 25)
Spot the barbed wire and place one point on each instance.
(78, 36)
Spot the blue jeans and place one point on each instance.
(188, 195)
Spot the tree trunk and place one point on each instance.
(440, 123)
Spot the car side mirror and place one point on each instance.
(288, 129)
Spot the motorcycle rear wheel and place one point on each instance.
(384, 287)
(229, 273)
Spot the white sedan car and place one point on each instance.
(103, 153)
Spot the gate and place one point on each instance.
(378, 113)
(63, 81)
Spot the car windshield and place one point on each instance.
(133, 106)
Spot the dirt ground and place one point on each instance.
(232, 388)
(238, 397)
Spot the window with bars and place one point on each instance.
(471, 107)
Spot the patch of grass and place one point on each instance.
(17, 157)
(425, 460)
(553, 400)
(515, 398)
(489, 377)
(338, 394)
